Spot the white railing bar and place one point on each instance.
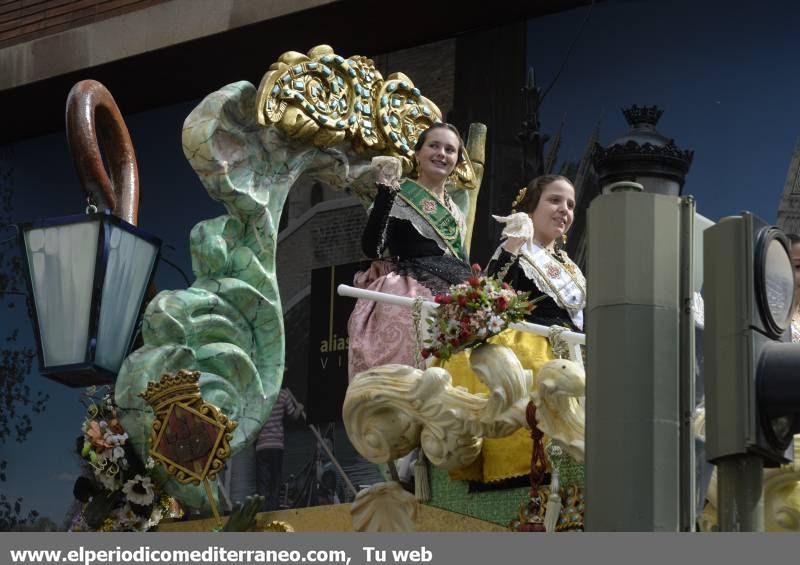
(572, 338)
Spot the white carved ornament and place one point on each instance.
(391, 409)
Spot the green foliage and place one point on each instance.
(12, 516)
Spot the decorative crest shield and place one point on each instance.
(190, 437)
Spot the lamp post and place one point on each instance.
(640, 404)
(88, 274)
(643, 155)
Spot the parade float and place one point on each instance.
(201, 384)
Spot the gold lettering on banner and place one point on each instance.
(334, 344)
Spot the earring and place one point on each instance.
(564, 239)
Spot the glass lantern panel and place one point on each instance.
(62, 263)
(130, 263)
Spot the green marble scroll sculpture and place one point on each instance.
(317, 115)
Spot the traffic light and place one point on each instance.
(752, 372)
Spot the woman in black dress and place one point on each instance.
(415, 236)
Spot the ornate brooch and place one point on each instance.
(428, 205)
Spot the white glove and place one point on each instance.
(388, 170)
(518, 230)
(517, 225)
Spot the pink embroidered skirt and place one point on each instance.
(382, 334)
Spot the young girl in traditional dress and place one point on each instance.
(531, 259)
(415, 235)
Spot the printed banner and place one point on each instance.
(327, 363)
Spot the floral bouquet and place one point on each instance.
(118, 494)
(471, 313)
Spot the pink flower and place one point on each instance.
(96, 436)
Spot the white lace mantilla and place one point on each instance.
(402, 211)
(567, 287)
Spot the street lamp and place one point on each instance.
(643, 155)
(88, 275)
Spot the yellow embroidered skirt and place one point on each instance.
(507, 457)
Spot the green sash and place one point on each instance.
(433, 212)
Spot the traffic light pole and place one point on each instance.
(687, 369)
(633, 398)
(740, 493)
(751, 376)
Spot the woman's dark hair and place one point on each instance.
(440, 125)
(533, 192)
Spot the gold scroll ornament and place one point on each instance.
(190, 437)
(327, 99)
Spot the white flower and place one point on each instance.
(118, 453)
(139, 490)
(453, 328)
(481, 333)
(115, 439)
(496, 324)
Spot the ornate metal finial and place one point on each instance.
(531, 140)
(639, 115)
(643, 153)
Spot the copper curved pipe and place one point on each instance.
(93, 118)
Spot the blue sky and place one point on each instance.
(724, 73)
